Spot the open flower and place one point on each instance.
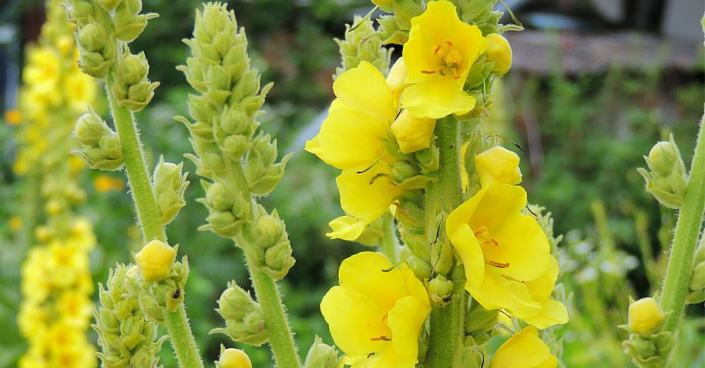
(507, 257)
(526, 350)
(351, 140)
(440, 52)
(376, 314)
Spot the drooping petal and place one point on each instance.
(498, 292)
(436, 97)
(346, 228)
(470, 253)
(366, 195)
(365, 89)
(552, 313)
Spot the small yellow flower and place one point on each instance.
(75, 308)
(81, 90)
(500, 52)
(156, 260)
(234, 358)
(374, 316)
(105, 183)
(13, 117)
(645, 316)
(507, 257)
(524, 350)
(440, 52)
(15, 223)
(498, 166)
(412, 133)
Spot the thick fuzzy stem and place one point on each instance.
(182, 339)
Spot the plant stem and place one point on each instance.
(150, 220)
(447, 322)
(137, 175)
(280, 338)
(690, 219)
(182, 338)
(389, 239)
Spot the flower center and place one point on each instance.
(483, 236)
(450, 57)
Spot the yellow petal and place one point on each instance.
(413, 286)
(542, 286)
(406, 320)
(470, 253)
(366, 195)
(436, 98)
(412, 133)
(552, 313)
(496, 205)
(497, 292)
(524, 349)
(364, 273)
(354, 320)
(348, 138)
(365, 89)
(498, 166)
(346, 228)
(397, 79)
(520, 244)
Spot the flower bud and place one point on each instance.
(429, 159)
(92, 38)
(235, 146)
(97, 50)
(129, 24)
(422, 270)
(480, 319)
(271, 252)
(156, 260)
(645, 316)
(322, 356)
(233, 358)
(133, 68)
(169, 187)
(499, 52)
(132, 88)
(697, 281)
(109, 5)
(261, 172)
(498, 166)
(666, 180)
(649, 351)
(90, 128)
(665, 158)
(244, 319)
(362, 44)
(412, 133)
(440, 290)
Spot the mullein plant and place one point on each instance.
(55, 313)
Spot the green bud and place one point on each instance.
(697, 282)
(665, 158)
(271, 251)
(111, 147)
(403, 170)
(362, 43)
(169, 186)
(235, 146)
(244, 319)
(269, 229)
(220, 197)
(223, 224)
(90, 128)
(132, 88)
(392, 30)
(422, 270)
(480, 319)
(429, 159)
(321, 355)
(92, 38)
(109, 5)
(440, 290)
(107, 153)
(260, 171)
(129, 24)
(79, 11)
(649, 351)
(133, 68)
(666, 180)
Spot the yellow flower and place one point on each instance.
(156, 260)
(500, 52)
(524, 350)
(75, 308)
(364, 196)
(67, 262)
(440, 52)
(397, 79)
(81, 234)
(76, 164)
(498, 166)
(13, 117)
(105, 183)
(15, 223)
(32, 361)
(507, 257)
(645, 316)
(360, 116)
(412, 133)
(43, 68)
(234, 358)
(351, 140)
(81, 90)
(374, 316)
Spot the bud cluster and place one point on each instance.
(158, 296)
(362, 43)
(244, 320)
(169, 187)
(127, 337)
(648, 346)
(131, 87)
(100, 145)
(697, 281)
(239, 164)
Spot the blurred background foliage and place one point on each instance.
(582, 135)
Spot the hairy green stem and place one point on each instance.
(182, 338)
(150, 220)
(447, 322)
(389, 244)
(280, 338)
(690, 219)
(136, 167)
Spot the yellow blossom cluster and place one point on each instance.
(56, 308)
(53, 88)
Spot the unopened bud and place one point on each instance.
(90, 128)
(499, 52)
(440, 290)
(665, 158)
(480, 319)
(244, 319)
(133, 68)
(169, 187)
(412, 133)
(498, 166)
(667, 180)
(271, 251)
(261, 172)
(429, 159)
(645, 316)
(156, 260)
(109, 5)
(233, 358)
(322, 356)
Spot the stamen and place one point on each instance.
(498, 265)
(428, 72)
(381, 338)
